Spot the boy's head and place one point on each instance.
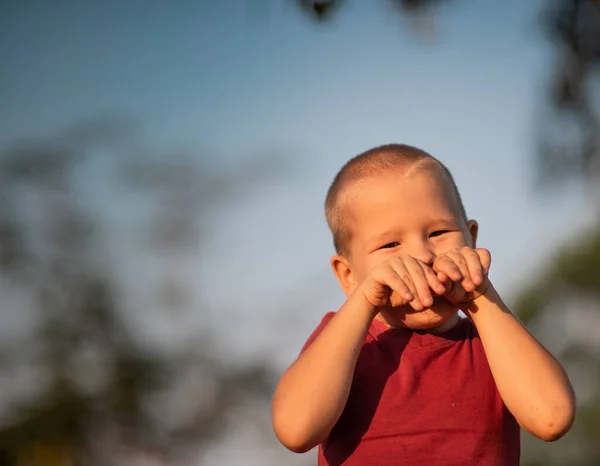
(395, 199)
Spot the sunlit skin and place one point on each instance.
(411, 213)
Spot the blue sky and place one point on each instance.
(232, 82)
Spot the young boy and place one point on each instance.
(396, 376)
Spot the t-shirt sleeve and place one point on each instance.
(324, 321)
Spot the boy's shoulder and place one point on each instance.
(315, 333)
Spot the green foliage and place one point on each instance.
(573, 269)
(80, 311)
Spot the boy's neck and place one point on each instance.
(445, 326)
(440, 329)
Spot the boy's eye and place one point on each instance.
(391, 245)
(438, 233)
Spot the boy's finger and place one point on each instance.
(445, 281)
(420, 282)
(399, 268)
(475, 267)
(486, 259)
(433, 280)
(396, 284)
(461, 263)
(399, 287)
(446, 266)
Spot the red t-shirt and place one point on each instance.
(421, 399)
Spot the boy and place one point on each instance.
(396, 376)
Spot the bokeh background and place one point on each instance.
(163, 166)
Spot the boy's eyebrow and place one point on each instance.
(445, 221)
(386, 233)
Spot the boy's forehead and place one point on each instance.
(426, 183)
(402, 179)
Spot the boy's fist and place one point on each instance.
(464, 273)
(401, 280)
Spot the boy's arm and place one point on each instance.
(531, 382)
(312, 393)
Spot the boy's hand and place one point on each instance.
(464, 273)
(401, 280)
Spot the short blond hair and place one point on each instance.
(371, 162)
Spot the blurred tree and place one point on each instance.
(101, 390)
(568, 143)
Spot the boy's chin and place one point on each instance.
(440, 315)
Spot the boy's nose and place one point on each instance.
(424, 253)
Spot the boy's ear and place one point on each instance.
(343, 272)
(473, 227)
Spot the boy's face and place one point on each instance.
(414, 212)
